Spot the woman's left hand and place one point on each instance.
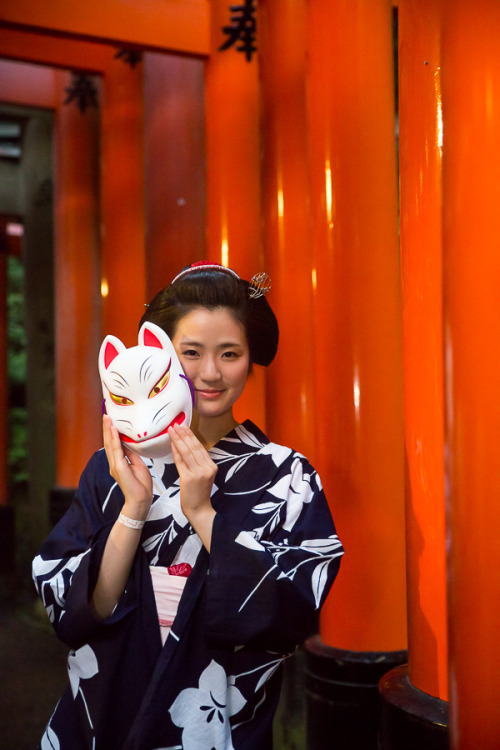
(197, 474)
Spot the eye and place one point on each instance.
(120, 400)
(161, 384)
(191, 353)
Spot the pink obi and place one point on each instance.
(168, 585)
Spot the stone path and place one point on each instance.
(32, 676)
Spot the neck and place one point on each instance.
(210, 430)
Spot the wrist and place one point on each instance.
(135, 511)
(202, 521)
(130, 523)
(200, 515)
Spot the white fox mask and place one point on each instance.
(145, 390)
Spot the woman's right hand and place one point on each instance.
(134, 480)
(130, 471)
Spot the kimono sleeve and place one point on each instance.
(66, 567)
(267, 584)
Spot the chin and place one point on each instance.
(215, 411)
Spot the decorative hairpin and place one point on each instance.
(260, 284)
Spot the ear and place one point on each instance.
(152, 335)
(110, 349)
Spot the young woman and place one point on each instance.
(245, 518)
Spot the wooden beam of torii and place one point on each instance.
(177, 26)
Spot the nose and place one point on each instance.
(210, 372)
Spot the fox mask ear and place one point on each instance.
(110, 352)
(110, 349)
(150, 339)
(152, 335)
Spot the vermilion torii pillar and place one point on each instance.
(358, 361)
(420, 154)
(233, 151)
(77, 286)
(285, 183)
(174, 166)
(123, 261)
(471, 258)
(413, 697)
(233, 172)
(358, 338)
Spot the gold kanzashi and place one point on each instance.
(260, 284)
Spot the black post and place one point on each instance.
(7, 539)
(410, 719)
(342, 695)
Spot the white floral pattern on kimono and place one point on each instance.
(213, 702)
(244, 609)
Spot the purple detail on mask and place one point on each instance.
(103, 406)
(191, 387)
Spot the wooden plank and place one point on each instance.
(172, 25)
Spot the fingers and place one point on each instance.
(120, 458)
(112, 442)
(187, 449)
(115, 449)
(180, 440)
(182, 433)
(126, 467)
(196, 474)
(193, 462)
(107, 427)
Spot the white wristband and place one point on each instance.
(130, 523)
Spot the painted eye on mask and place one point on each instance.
(161, 384)
(121, 400)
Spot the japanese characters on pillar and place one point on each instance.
(233, 159)
(241, 30)
(81, 90)
(77, 323)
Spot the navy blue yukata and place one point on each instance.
(246, 605)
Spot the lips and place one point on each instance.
(208, 393)
(179, 419)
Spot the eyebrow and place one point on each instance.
(224, 345)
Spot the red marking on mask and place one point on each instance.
(110, 352)
(151, 340)
(179, 419)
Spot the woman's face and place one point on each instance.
(213, 350)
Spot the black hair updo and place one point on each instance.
(212, 287)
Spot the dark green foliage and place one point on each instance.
(16, 342)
